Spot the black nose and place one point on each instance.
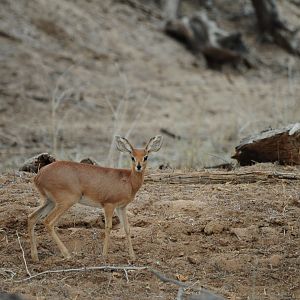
(138, 167)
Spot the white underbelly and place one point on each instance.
(89, 202)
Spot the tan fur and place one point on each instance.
(63, 184)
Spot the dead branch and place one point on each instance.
(206, 177)
(163, 278)
(83, 269)
(170, 134)
(23, 254)
(126, 275)
(202, 291)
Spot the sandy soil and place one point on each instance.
(238, 240)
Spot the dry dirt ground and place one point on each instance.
(111, 70)
(238, 240)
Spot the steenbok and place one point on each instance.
(64, 183)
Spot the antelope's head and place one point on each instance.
(139, 157)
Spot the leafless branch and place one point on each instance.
(159, 275)
(23, 254)
(126, 275)
(83, 269)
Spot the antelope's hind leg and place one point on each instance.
(62, 204)
(33, 218)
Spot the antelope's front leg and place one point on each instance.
(108, 212)
(122, 214)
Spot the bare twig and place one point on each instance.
(23, 254)
(159, 275)
(4, 272)
(4, 235)
(163, 278)
(126, 275)
(83, 269)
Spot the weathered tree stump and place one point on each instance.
(35, 163)
(273, 145)
(273, 27)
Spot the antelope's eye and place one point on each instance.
(132, 158)
(145, 157)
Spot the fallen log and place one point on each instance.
(274, 145)
(205, 177)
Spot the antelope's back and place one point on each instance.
(95, 182)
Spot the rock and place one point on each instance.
(247, 234)
(269, 231)
(275, 260)
(192, 260)
(214, 227)
(229, 264)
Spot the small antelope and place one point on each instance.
(63, 183)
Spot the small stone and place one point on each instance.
(213, 227)
(192, 260)
(275, 260)
(248, 234)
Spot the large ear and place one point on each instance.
(123, 145)
(154, 143)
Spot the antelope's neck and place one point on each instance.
(137, 179)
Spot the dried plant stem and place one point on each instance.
(158, 274)
(23, 254)
(83, 269)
